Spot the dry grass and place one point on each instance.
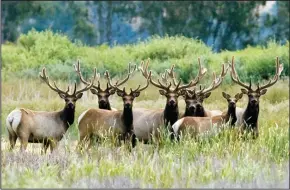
(216, 162)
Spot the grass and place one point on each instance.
(220, 161)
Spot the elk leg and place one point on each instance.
(53, 144)
(24, 143)
(45, 146)
(12, 138)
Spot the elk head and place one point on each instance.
(104, 94)
(70, 99)
(254, 95)
(232, 101)
(128, 98)
(194, 98)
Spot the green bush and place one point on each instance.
(58, 53)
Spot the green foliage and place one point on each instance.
(55, 51)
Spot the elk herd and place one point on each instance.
(132, 124)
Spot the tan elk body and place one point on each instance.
(41, 126)
(100, 122)
(199, 125)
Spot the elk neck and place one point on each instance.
(251, 115)
(231, 114)
(67, 115)
(170, 114)
(127, 118)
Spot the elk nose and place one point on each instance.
(71, 105)
(102, 101)
(254, 101)
(171, 102)
(191, 107)
(127, 105)
(232, 103)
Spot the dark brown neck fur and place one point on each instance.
(67, 115)
(250, 116)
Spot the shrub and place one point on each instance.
(55, 51)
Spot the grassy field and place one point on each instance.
(219, 161)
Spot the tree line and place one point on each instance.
(222, 25)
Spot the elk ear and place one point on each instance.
(120, 93)
(262, 92)
(61, 95)
(162, 92)
(136, 94)
(112, 91)
(207, 95)
(79, 95)
(239, 96)
(94, 91)
(225, 95)
(244, 91)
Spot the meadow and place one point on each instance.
(218, 161)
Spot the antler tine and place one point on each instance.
(201, 72)
(279, 69)
(78, 71)
(235, 76)
(91, 84)
(128, 76)
(171, 74)
(143, 88)
(110, 83)
(216, 81)
(45, 78)
(144, 70)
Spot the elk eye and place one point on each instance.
(66, 100)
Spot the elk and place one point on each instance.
(194, 98)
(104, 94)
(41, 126)
(147, 121)
(249, 116)
(198, 125)
(231, 112)
(99, 122)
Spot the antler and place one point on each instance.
(46, 80)
(78, 71)
(236, 78)
(279, 69)
(128, 76)
(201, 73)
(143, 88)
(91, 84)
(216, 81)
(144, 70)
(116, 86)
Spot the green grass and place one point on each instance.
(55, 51)
(216, 161)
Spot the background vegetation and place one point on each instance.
(55, 51)
(232, 25)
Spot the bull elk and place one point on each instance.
(147, 121)
(198, 125)
(41, 126)
(104, 94)
(99, 122)
(194, 98)
(249, 116)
